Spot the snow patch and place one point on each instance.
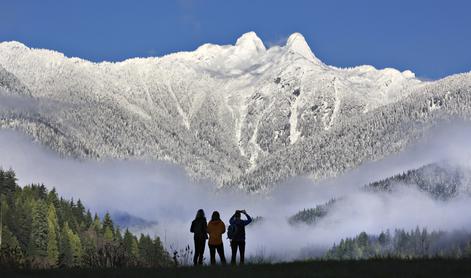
(294, 133)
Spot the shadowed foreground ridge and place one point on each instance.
(360, 268)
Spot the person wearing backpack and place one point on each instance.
(236, 234)
(200, 231)
(215, 230)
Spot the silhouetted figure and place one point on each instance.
(237, 234)
(200, 231)
(215, 230)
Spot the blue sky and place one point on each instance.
(432, 38)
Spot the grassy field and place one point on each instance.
(369, 268)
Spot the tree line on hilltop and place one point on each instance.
(39, 229)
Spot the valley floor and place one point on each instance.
(365, 268)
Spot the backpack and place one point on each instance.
(231, 231)
(234, 230)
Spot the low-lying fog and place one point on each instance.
(162, 192)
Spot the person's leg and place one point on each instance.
(196, 254)
(222, 257)
(242, 251)
(234, 252)
(212, 253)
(202, 247)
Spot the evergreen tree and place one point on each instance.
(36, 231)
(8, 184)
(108, 228)
(383, 239)
(107, 223)
(118, 235)
(66, 256)
(108, 234)
(467, 250)
(10, 250)
(88, 219)
(71, 247)
(96, 225)
(160, 256)
(3, 211)
(79, 210)
(53, 198)
(53, 232)
(76, 246)
(145, 250)
(131, 248)
(130, 244)
(37, 249)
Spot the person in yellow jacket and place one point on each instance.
(216, 229)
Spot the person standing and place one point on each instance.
(216, 229)
(237, 234)
(200, 231)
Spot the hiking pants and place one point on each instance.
(212, 253)
(199, 251)
(241, 246)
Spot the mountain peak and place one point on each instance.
(13, 45)
(250, 41)
(297, 43)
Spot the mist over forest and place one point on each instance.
(164, 195)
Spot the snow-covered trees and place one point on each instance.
(239, 115)
(441, 180)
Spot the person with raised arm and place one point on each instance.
(236, 233)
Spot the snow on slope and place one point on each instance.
(221, 111)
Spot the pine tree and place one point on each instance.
(108, 234)
(96, 224)
(37, 249)
(53, 198)
(118, 235)
(107, 228)
(53, 231)
(145, 250)
(88, 219)
(36, 230)
(382, 239)
(107, 223)
(66, 256)
(3, 211)
(10, 250)
(8, 184)
(160, 255)
(130, 245)
(80, 209)
(71, 248)
(76, 246)
(467, 250)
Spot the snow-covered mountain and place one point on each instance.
(241, 115)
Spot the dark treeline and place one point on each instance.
(312, 215)
(402, 244)
(38, 229)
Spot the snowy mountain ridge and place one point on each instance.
(223, 112)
